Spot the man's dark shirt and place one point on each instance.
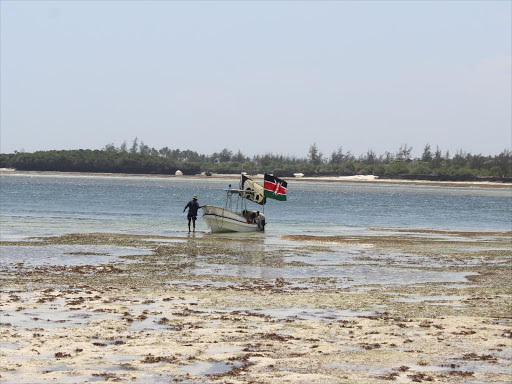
(192, 206)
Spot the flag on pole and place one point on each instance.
(275, 188)
(254, 190)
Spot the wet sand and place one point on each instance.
(380, 306)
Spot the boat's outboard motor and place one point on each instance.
(261, 222)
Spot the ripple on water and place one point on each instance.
(358, 367)
(434, 300)
(66, 255)
(164, 241)
(312, 313)
(473, 366)
(52, 317)
(222, 350)
(23, 378)
(208, 368)
(9, 346)
(354, 275)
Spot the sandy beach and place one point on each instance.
(352, 179)
(205, 309)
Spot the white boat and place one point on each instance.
(225, 220)
(235, 217)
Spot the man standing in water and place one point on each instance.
(192, 206)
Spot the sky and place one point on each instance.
(256, 76)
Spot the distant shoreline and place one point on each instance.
(365, 179)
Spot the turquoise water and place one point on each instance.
(53, 205)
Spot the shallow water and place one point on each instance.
(312, 313)
(52, 205)
(69, 255)
(420, 299)
(347, 275)
(222, 350)
(51, 317)
(203, 368)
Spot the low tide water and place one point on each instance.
(53, 205)
(115, 298)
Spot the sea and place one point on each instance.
(42, 205)
(35, 205)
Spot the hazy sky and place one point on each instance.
(257, 76)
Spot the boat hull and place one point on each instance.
(222, 220)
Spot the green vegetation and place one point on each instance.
(141, 159)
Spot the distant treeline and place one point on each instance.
(139, 158)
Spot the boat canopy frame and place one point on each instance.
(241, 201)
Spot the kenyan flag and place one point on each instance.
(275, 188)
